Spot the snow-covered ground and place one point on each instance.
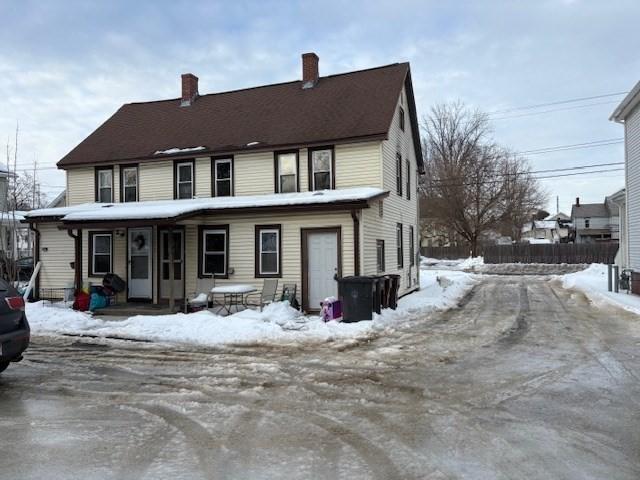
(277, 323)
(593, 283)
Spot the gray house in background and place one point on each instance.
(628, 114)
(595, 222)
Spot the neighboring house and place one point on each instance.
(628, 114)
(595, 222)
(59, 201)
(303, 181)
(16, 239)
(540, 230)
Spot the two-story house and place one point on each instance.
(595, 222)
(305, 181)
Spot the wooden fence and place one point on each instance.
(527, 253)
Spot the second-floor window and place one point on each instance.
(223, 177)
(587, 222)
(321, 166)
(408, 180)
(399, 246)
(401, 119)
(129, 182)
(104, 185)
(399, 174)
(184, 180)
(286, 172)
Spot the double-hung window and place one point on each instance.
(408, 180)
(399, 247)
(412, 253)
(287, 172)
(399, 174)
(401, 119)
(100, 253)
(268, 250)
(223, 177)
(104, 185)
(214, 245)
(129, 182)
(184, 173)
(321, 169)
(380, 256)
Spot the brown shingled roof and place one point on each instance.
(352, 106)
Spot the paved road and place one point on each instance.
(525, 380)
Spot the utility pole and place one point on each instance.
(557, 204)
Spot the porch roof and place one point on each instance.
(171, 211)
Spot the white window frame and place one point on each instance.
(214, 231)
(215, 175)
(313, 168)
(277, 251)
(280, 175)
(179, 182)
(94, 271)
(125, 186)
(100, 187)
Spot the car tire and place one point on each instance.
(3, 366)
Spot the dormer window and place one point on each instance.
(104, 184)
(321, 168)
(286, 171)
(184, 179)
(222, 177)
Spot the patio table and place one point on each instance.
(232, 295)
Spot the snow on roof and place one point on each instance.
(173, 208)
(545, 224)
(172, 151)
(17, 216)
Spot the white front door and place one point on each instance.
(178, 261)
(139, 261)
(322, 267)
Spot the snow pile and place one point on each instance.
(277, 323)
(460, 264)
(593, 283)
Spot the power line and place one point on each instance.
(556, 175)
(553, 110)
(557, 102)
(574, 146)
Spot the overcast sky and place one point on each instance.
(65, 67)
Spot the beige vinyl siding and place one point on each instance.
(253, 173)
(203, 177)
(396, 209)
(242, 245)
(156, 180)
(56, 253)
(358, 165)
(81, 186)
(632, 165)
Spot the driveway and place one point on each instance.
(524, 380)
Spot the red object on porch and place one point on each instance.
(81, 302)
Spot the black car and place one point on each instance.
(14, 328)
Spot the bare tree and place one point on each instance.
(473, 185)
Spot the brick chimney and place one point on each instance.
(189, 89)
(310, 73)
(577, 201)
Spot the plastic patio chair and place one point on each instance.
(196, 299)
(289, 291)
(266, 296)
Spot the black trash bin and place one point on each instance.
(358, 296)
(386, 290)
(393, 291)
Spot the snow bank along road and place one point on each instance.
(524, 380)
